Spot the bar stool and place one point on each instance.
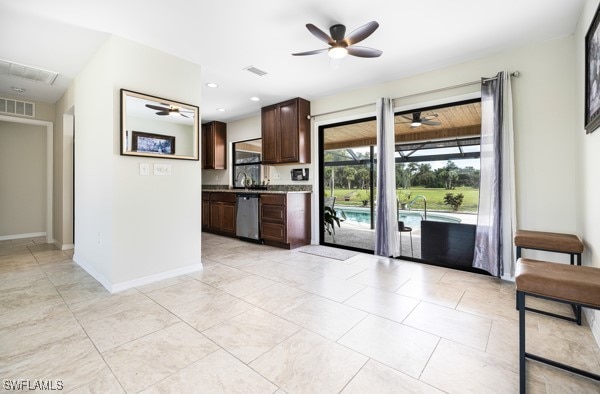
(404, 229)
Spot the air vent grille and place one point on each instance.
(16, 107)
(27, 72)
(256, 71)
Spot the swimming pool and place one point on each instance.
(410, 218)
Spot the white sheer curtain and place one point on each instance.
(386, 225)
(496, 221)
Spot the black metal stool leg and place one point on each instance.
(522, 373)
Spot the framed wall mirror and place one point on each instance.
(157, 127)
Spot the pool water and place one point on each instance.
(410, 219)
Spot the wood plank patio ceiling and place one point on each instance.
(456, 121)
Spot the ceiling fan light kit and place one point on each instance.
(337, 52)
(340, 46)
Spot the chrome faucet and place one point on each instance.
(237, 178)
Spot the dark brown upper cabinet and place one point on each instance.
(214, 146)
(286, 132)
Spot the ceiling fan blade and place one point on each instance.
(430, 116)
(364, 52)
(310, 52)
(430, 122)
(184, 115)
(163, 113)
(361, 33)
(320, 34)
(156, 107)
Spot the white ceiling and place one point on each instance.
(228, 35)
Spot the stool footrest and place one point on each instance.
(541, 312)
(562, 366)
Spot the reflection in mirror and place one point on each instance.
(156, 127)
(247, 164)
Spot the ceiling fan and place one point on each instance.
(169, 110)
(340, 46)
(416, 119)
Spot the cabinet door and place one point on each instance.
(215, 215)
(270, 126)
(205, 213)
(288, 127)
(219, 145)
(208, 150)
(228, 218)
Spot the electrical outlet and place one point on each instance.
(216, 177)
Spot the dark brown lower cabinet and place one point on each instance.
(285, 219)
(219, 213)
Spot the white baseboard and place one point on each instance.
(64, 246)
(88, 268)
(122, 286)
(20, 236)
(592, 317)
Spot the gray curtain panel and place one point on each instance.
(386, 227)
(488, 236)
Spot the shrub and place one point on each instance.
(455, 201)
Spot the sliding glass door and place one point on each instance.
(437, 180)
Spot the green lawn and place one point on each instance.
(435, 197)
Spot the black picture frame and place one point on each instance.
(152, 143)
(592, 75)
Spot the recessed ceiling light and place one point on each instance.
(221, 109)
(18, 89)
(254, 98)
(212, 85)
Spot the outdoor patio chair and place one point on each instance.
(404, 229)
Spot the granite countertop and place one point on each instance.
(272, 189)
(254, 191)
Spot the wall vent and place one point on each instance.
(256, 71)
(16, 107)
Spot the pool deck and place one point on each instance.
(360, 235)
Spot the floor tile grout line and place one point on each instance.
(354, 376)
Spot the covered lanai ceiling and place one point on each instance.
(458, 121)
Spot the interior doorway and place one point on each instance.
(49, 167)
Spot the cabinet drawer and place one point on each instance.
(273, 199)
(272, 213)
(273, 232)
(223, 197)
(205, 196)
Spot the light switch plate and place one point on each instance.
(162, 169)
(144, 169)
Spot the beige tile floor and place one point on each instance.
(263, 320)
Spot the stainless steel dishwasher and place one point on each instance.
(247, 216)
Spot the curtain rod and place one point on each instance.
(513, 74)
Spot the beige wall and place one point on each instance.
(22, 179)
(132, 229)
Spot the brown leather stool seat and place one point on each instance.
(555, 242)
(570, 284)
